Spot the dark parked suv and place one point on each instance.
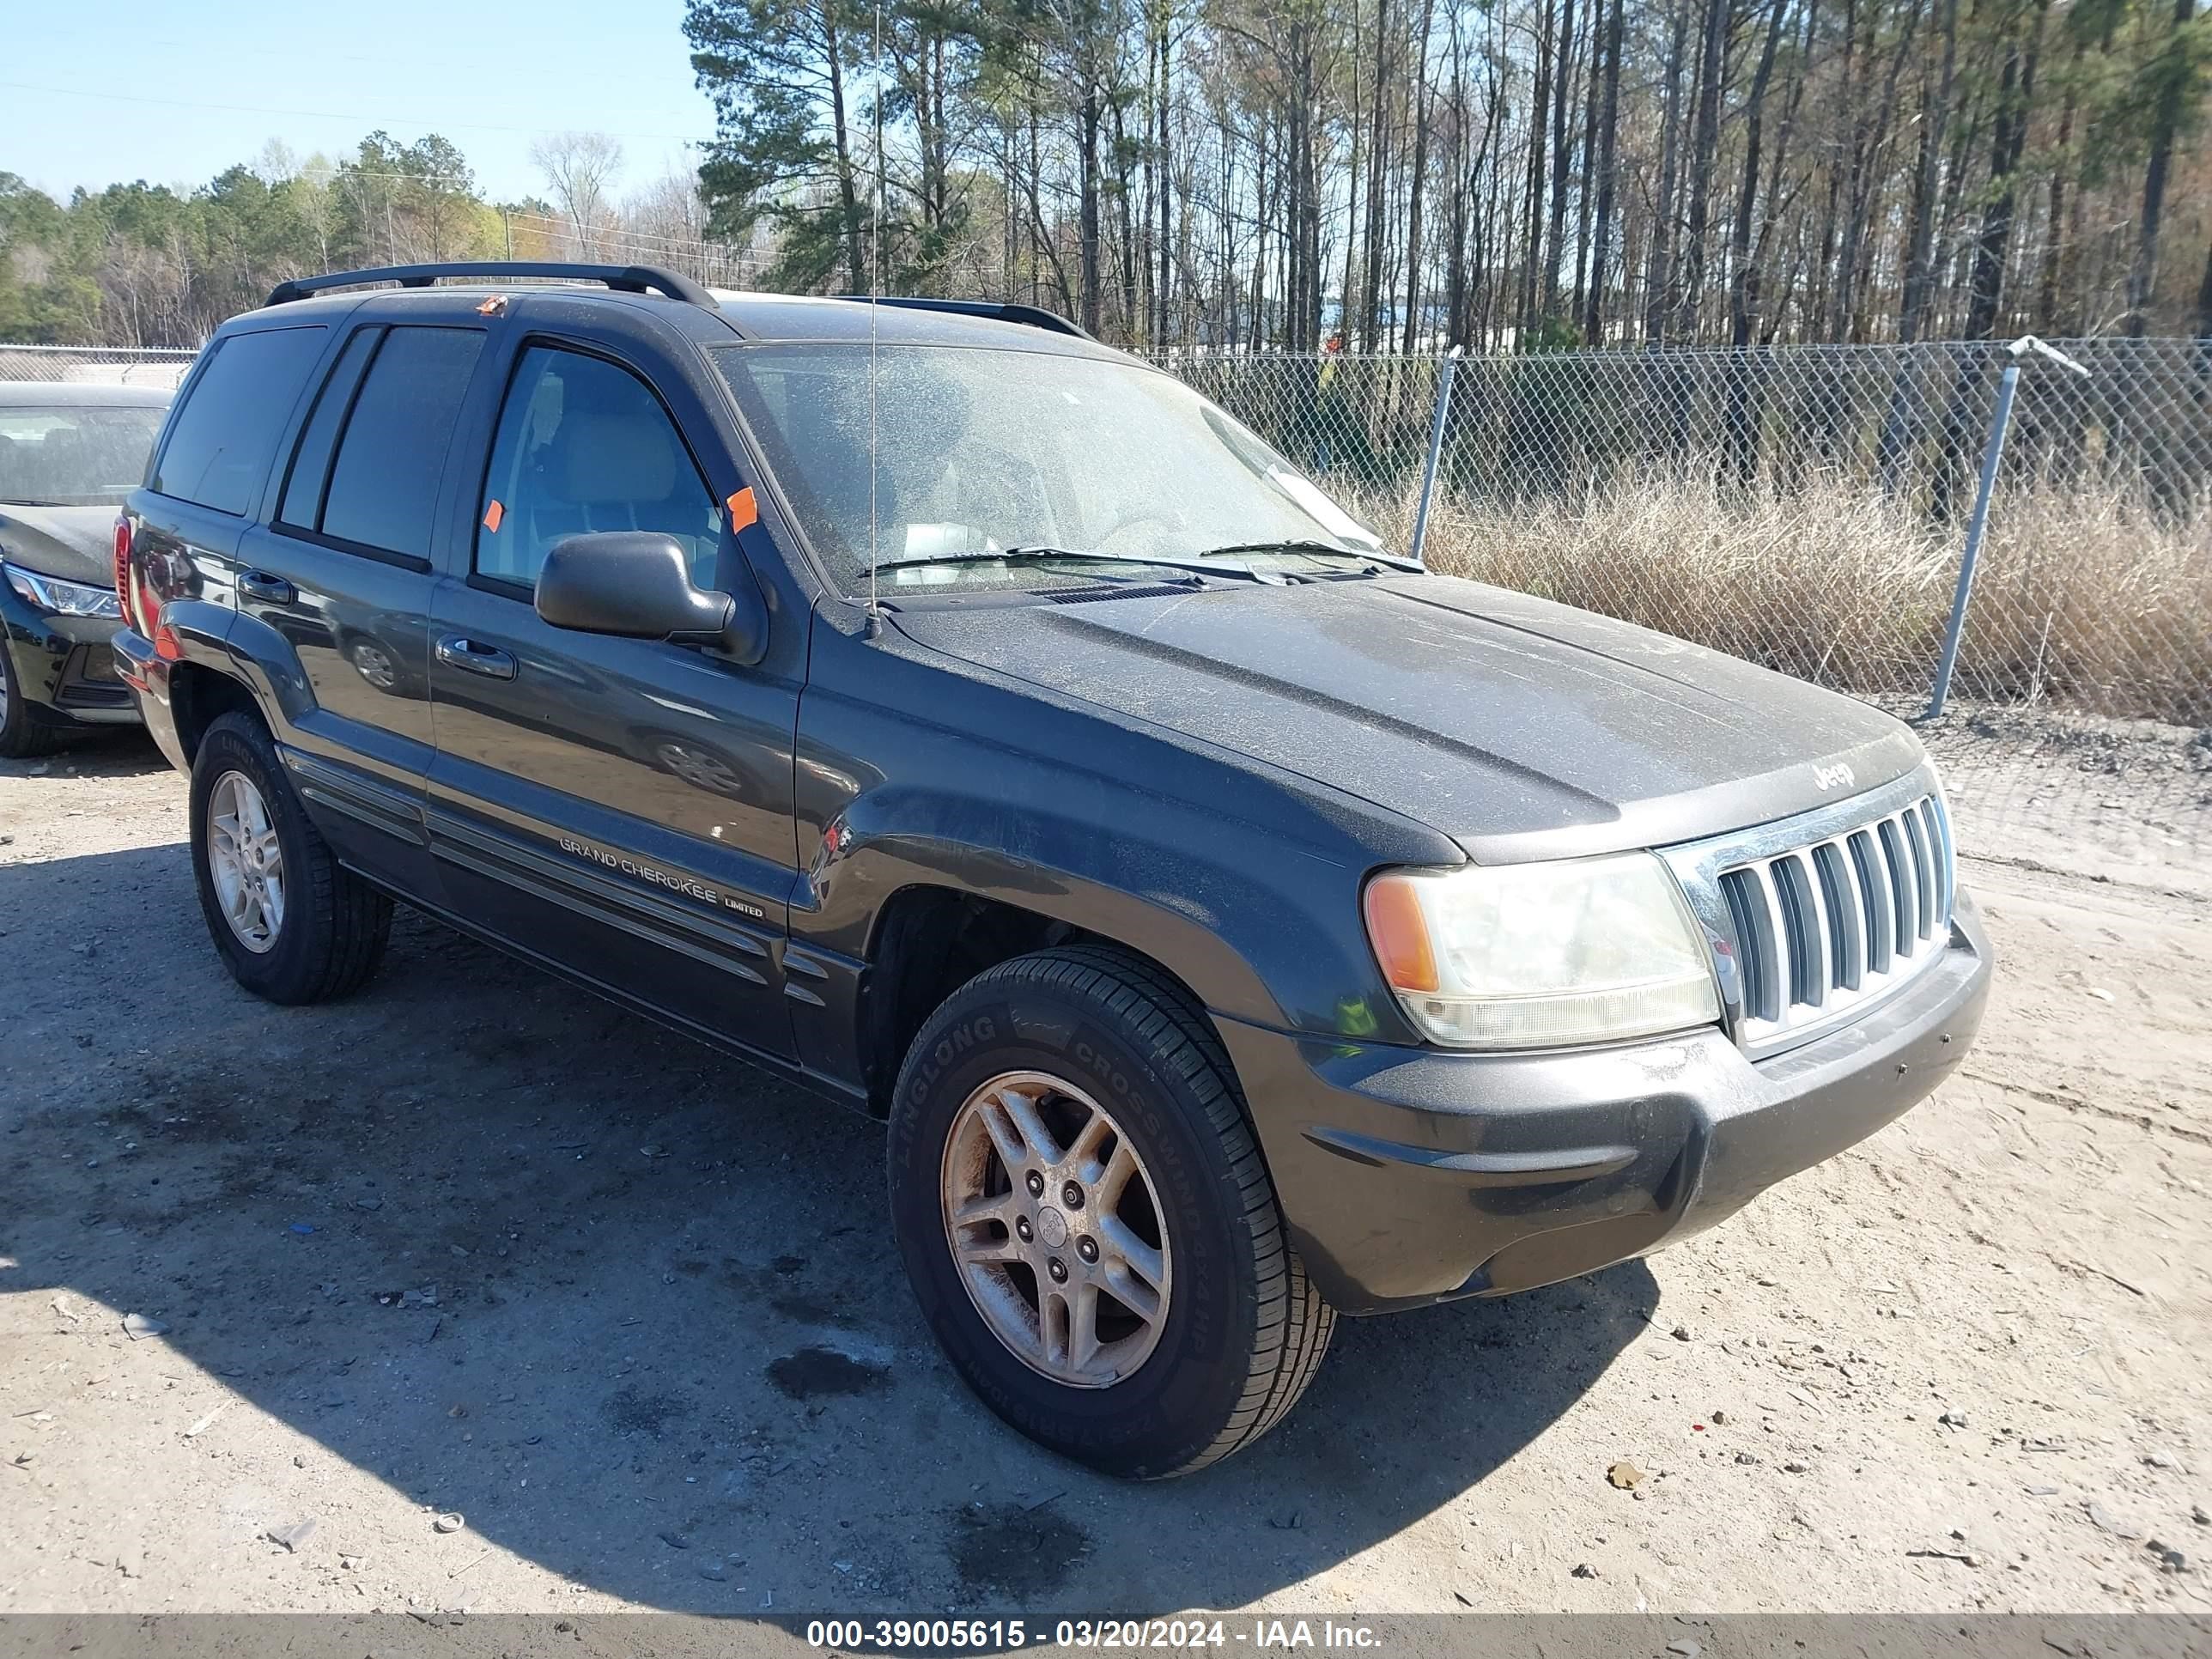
(1236, 924)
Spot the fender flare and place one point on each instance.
(242, 648)
(1250, 944)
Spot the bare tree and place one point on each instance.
(580, 169)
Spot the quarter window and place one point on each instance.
(220, 444)
(584, 446)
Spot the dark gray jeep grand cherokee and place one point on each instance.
(1236, 924)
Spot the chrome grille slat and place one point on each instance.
(1846, 919)
(1749, 916)
(1874, 894)
(1775, 946)
(1837, 923)
(1903, 887)
(1923, 873)
(1808, 921)
(1939, 846)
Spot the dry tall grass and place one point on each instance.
(2093, 600)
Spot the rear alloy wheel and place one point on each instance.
(1087, 1221)
(245, 862)
(288, 920)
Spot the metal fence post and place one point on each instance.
(1992, 453)
(1445, 370)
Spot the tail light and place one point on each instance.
(123, 567)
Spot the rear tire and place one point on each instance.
(293, 927)
(1239, 1332)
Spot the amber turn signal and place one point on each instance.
(1400, 934)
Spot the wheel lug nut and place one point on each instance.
(1058, 1269)
(1071, 1196)
(1022, 1230)
(1087, 1247)
(1037, 1184)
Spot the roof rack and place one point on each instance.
(628, 279)
(1004, 311)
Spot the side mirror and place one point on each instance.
(635, 584)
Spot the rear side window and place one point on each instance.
(384, 480)
(225, 435)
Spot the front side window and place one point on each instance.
(75, 454)
(980, 451)
(224, 437)
(585, 446)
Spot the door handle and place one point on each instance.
(471, 656)
(266, 589)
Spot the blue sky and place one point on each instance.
(229, 77)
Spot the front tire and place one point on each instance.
(289, 923)
(22, 736)
(1088, 1223)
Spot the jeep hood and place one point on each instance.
(76, 543)
(1520, 728)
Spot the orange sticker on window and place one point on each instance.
(493, 514)
(744, 512)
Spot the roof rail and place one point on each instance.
(628, 279)
(1004, 311)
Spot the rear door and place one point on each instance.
(216, 456)
(342, 570)
(621, 807)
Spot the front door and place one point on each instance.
(620, 807)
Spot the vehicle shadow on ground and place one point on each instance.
(630, 1306)
(123, 752)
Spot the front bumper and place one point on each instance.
(62, 667)
(1409, 1177)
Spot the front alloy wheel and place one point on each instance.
(1053, 1219)
(1087, 1221)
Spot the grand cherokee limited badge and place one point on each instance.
(675, 884)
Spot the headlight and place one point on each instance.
(63, 599)
(1537, 955)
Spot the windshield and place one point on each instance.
(80, 455)
(983, 451)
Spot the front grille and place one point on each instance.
(1832, 924)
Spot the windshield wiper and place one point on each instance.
(1323, 550)
(1205, 565)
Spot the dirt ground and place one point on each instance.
(474, 1243)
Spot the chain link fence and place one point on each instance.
(97, 365)
(1806, 507)
(1809, 508)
